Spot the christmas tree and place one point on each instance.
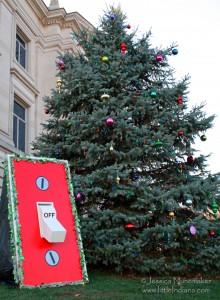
(145, 199)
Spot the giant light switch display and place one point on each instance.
(45, 233)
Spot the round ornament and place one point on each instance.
(109, 121)
(105, 97)
(153, 94)
(193, 230)
(189, 202)
(212, 233)
(60, 64)
(123, 46)
(159, 58)
(190, 160)
(179, 100)
(203, 138)
(158, 144)
(180, 133)
(214, 207)
(135, 176)
(129, 26)
(105, 59)
(174, 51)
(171, 214)
(129, 226)
(112, 17)
(79, 196)
(46, 111)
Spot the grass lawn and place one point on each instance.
(103, 286)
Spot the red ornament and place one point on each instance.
(181, 133)
(109, 121)
(180, 100)
(60, 64)
(190, 159)
(46, 111)
(129, 226)
(123, 48)
(159, 57)
(129, 26)
(212, 233)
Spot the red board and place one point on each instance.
(36, 270)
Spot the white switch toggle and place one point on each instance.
(50, 228)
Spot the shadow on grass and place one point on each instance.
(105, 286)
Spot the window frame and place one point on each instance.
(18, 120)
(22, 41)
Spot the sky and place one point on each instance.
(195, 26)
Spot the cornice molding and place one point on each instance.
(12, 4)
(59, 16)
(24, 80)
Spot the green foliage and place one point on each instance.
(141, 170)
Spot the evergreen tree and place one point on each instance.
(123, 122)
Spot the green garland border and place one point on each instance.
(13, 216)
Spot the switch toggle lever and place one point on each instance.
(50, 228)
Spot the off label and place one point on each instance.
(49, 215)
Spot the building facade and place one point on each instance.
(31, 37)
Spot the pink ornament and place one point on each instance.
(78, 196)
(60, 64)
(159, 57)
(192, 230)
(109, 121)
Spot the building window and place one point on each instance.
(19, 126)
(21, 50)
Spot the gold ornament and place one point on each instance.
(171, 214)
(105, 59)
(58, 85)
(105, 97)
(118, 179)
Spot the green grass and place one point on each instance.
(103, 286)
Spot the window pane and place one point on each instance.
(17, 50)
(21, 136)
(20, 40)
(22, 56)
(19, 111)
(15, 128)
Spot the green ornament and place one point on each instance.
(214, 207)
(158, 144)
(153, 94)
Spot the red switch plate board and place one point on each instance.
(38, 262)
